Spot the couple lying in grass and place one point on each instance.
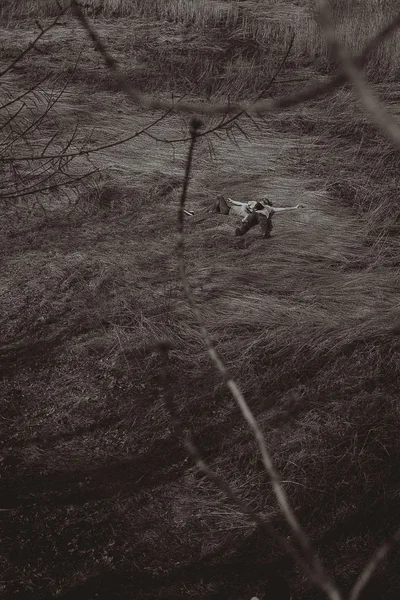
(255, 212)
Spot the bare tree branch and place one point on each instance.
(30, 90)
(380, 555)
(315, 567)
(258, 108)
(26, 126)
(34, 42)
(12, 117)
(87, 151)
(164, 347)
(52, 187)
(376, 110)
(226, 122)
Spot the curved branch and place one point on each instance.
(34, 42)
(374, 107)
(259, 107)
(223, 124)
(380, 555)
(315, 567)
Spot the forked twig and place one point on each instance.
(314, 565)
(86, 151)
(52, 187)
(32, 44)
(260, 107)
(164, 347)
(380, 555)
(224, 124)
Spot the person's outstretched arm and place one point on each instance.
(276, 209)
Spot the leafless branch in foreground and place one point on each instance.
(29, 122)
(225, 124)
(376, 109)
(26, 92)
(379, 556)
(164, 347)
(310, 560)
(258, 108)
(43, 31)
(85, 151)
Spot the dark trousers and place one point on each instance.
(254, 219)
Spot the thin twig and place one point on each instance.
(260, 107)
(51, 187)
(319, 574)
(376, 109)
(380, 555)
(164, 347)
(87, 151)
(34, 42)
(30, 90)
(224, 122)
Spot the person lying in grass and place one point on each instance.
(255, 212)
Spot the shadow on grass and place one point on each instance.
(83, 485)
(226, 580)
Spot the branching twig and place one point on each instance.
(30, 90)
(258, 108)
(376, 110)
(87, 151)
(380, 555)
(51, 187)
(33, 110)
(34, 42)
(227, 122)
(164, 347)
(315, 567)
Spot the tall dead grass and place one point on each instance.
(270, 28)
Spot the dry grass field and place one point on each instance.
(98, 497)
